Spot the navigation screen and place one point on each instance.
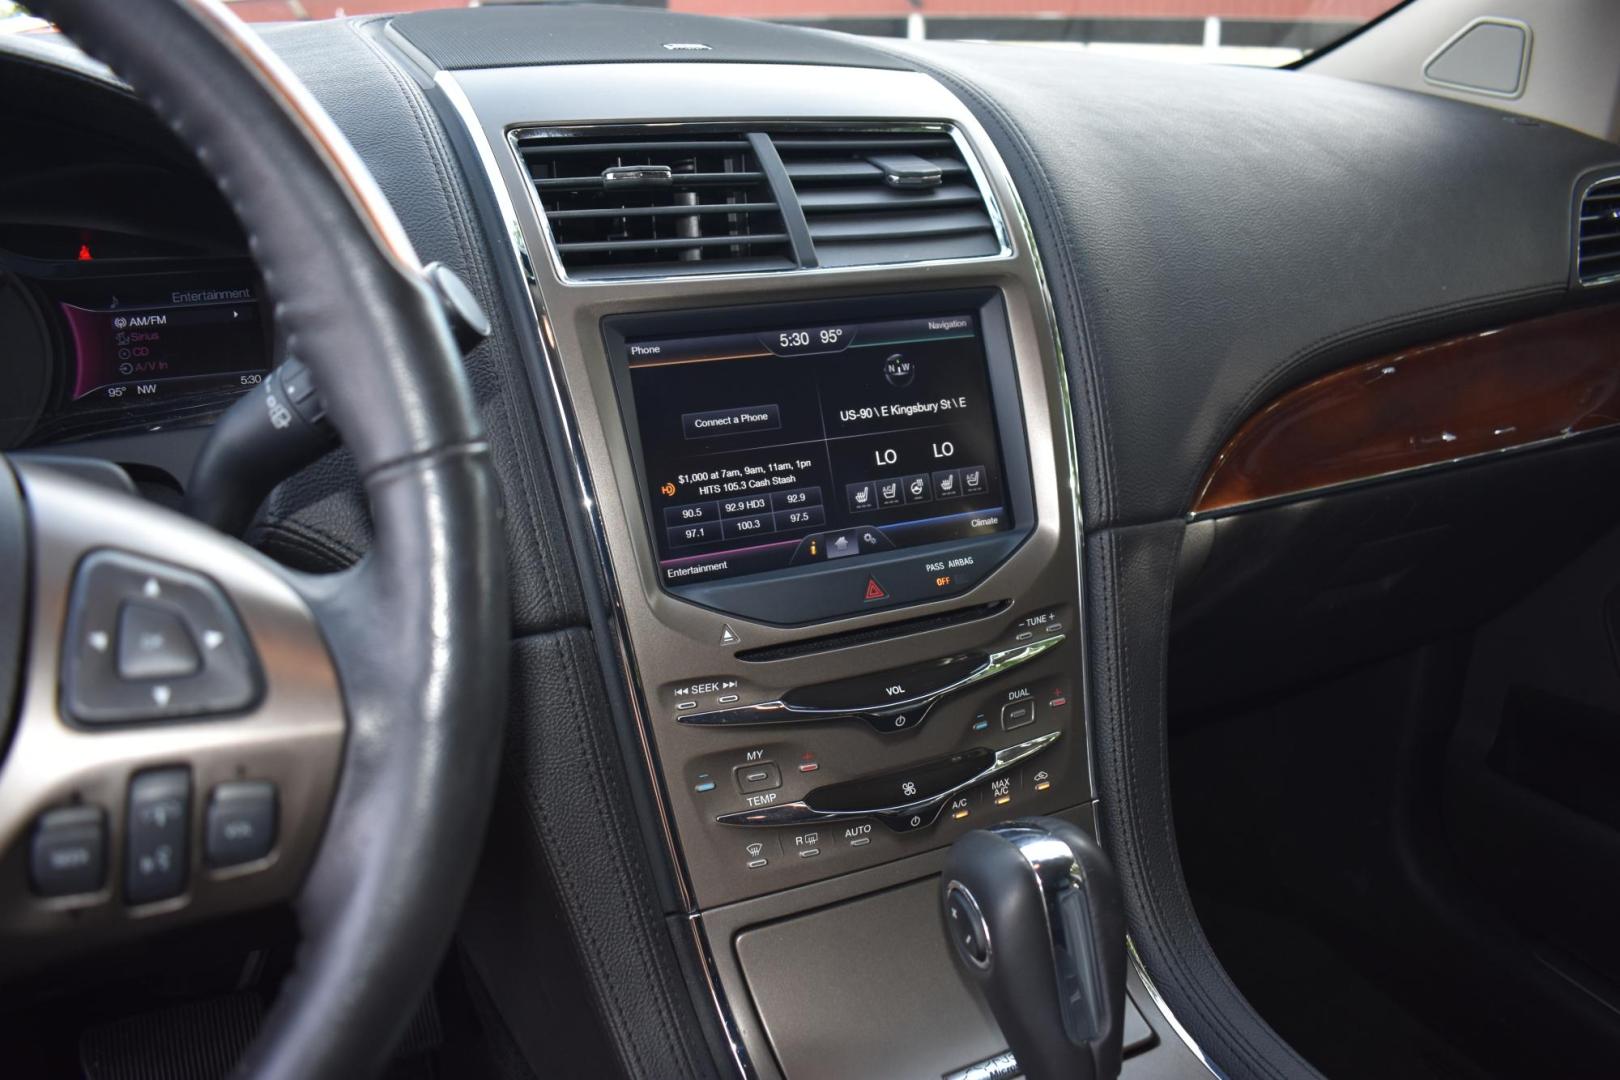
(804, 444)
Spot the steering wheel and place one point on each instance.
(198, 730)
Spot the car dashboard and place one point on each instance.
(850, 427)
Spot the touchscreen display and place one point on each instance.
(803, 444)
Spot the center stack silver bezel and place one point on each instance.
(657, 635)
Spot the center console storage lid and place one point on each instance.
(867, 988)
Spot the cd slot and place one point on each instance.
(850, 639)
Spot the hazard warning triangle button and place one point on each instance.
(874, 591)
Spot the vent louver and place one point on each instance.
(630, 207)
(887, 197)
(1597, 256)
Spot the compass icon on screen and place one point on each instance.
(898, 370)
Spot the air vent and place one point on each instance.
(622, 207)
(1597, 260)
(887, 197)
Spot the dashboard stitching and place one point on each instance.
(331, 550)
(1237, 1044)
(1096, 396)
(1129, 761)
(587, 739)
(468, 237)
(1284, 375)
(636, 882)
(579, 929)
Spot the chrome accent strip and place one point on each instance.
(1001, 1067)
(1071, 447)
(1604, 279)
(556, 383)
(739, 127)
(772, 712)
(801, 812)
(717, 996)
(457, 98)
(1487, 20)
(1164, 1010)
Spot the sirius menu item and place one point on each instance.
(802, 444)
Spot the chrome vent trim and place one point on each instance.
(659, 204)
(1597, 245)
(832, 208)
(887, 197)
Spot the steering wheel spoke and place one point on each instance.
(415, 635)
(179, 728)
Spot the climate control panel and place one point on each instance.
(784, 784)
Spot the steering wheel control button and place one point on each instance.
(68, 853)
(241, 823)
(150, 641)
(153, 643)
(759, 776)
(155, 853)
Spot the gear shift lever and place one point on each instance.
(1036, 918)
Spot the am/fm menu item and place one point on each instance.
(795, 445)
(197, 336)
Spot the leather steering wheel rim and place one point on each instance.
(417, 630)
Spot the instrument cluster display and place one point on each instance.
(94, 351)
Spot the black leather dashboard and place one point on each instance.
(1214, 235)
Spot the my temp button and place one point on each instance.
(241, 822)
(760, 776)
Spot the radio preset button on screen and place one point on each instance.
(691, 514)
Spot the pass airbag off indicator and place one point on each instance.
(874, 591)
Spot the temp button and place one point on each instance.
(759, 776)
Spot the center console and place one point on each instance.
(835, 509)
(842, 492)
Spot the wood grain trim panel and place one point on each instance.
(1504, 389)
